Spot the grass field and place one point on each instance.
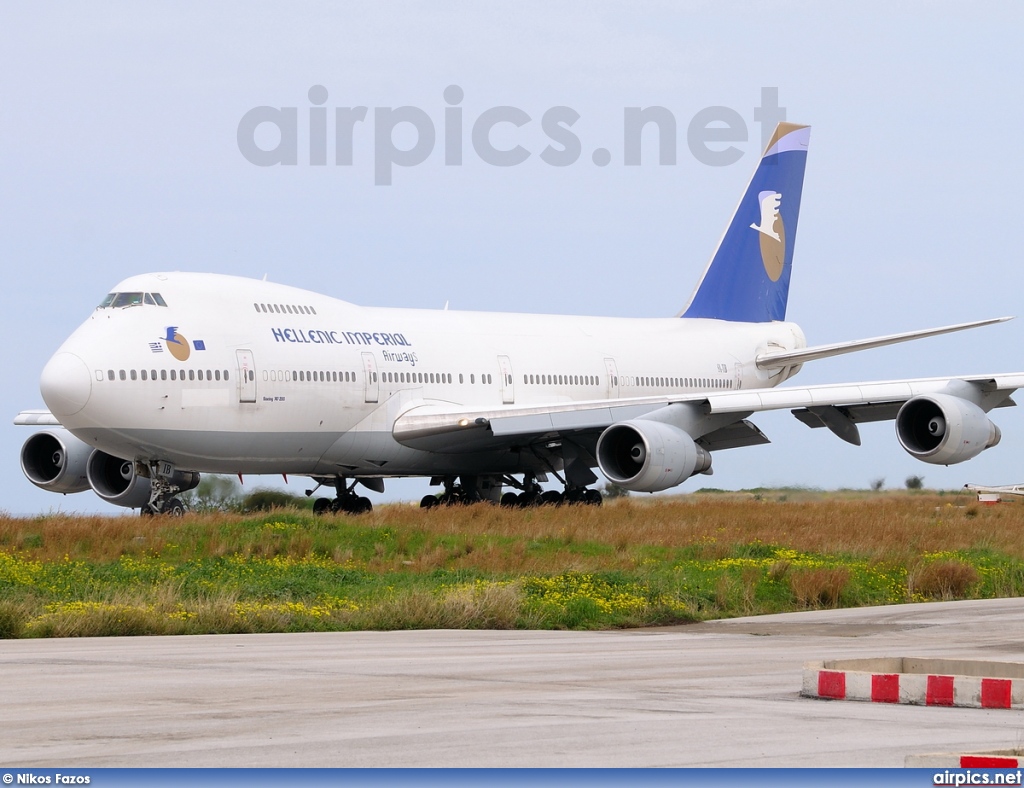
(629, 563)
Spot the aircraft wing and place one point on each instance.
(718, 418)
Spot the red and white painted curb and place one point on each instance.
(921, 682)
(998, 759)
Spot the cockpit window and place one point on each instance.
(127, 299)
(131, 299)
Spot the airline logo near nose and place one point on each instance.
(773, 234)
(177, 344)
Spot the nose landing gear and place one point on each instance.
(164, 484)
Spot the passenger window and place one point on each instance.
(133, 375)
(110, 374)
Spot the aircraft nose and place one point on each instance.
(65, 384)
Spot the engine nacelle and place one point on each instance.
(116, 481)
(55, 460)
(648, 456)
(943, 430)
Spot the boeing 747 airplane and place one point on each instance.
(174, 374)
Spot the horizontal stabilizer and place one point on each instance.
(36, 418)
(787, 359)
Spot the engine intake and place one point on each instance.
(55, 460)
(649, 456)
(943, 430)
(116, 481)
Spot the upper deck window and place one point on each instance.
(131, 299)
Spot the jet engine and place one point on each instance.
(648, 456)
(943, 430)
(118, 482)
(55, 460)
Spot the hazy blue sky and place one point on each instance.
(118, 126)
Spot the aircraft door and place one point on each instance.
(508, 391)
(371, 387)
(246, 376)
(613, 378)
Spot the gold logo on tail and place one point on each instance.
(773, 234)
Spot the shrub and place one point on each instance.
(819, 587)
(943, 580)
(263, 500)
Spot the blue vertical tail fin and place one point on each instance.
(747, 279)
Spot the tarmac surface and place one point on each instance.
(722, 693)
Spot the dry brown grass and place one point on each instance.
(896, 527)
(819, 587)
(945, 579)
(886, 526)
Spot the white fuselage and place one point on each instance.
(238, 375)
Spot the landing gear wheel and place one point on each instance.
(574, 496)
(528, 499)
(322, 506)
(551, 498)
(509, 500)
(428, 502)
(592, 497)
(350, 503)
(146, 510)
(175, 508)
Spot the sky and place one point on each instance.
(119, 138)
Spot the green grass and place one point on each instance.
(626, 565)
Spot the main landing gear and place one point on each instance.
(532, 495)
(455, 494)
(348, 501)
(460, 492)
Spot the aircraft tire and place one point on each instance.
(551, 498)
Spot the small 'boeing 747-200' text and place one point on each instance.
(177, 374)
